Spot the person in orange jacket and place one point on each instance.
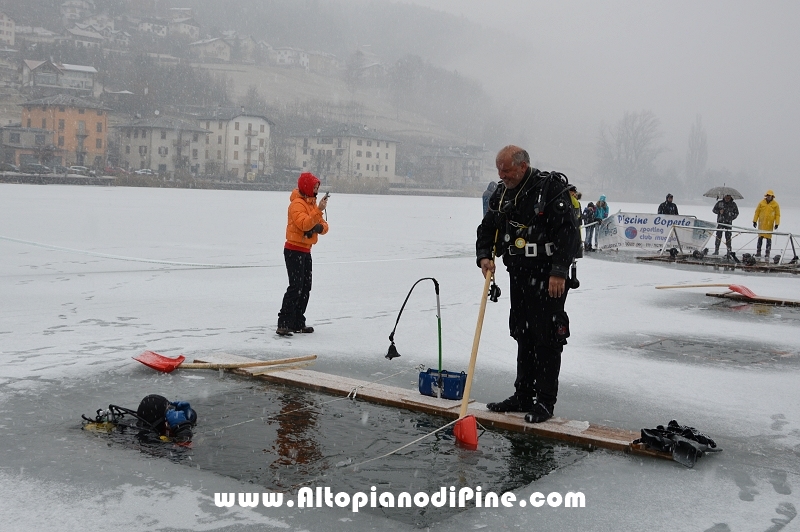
(305, 223)
(766, 218)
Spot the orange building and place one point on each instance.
(79, 127)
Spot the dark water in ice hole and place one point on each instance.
(291, 443)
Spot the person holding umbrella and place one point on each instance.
(727, 211)
(766, 218)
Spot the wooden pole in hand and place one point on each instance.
(475, 342)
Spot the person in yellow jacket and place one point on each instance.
(575, 196)
(305, 222)
(766, 218)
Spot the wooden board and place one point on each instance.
(759, 299)
(577, 432)
(719, 263)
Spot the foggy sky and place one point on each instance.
(574, 64)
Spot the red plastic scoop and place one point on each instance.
(742, 290)
(159, 362)
(466, 432)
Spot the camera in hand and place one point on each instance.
(316, 229)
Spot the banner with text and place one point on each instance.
(626, 230)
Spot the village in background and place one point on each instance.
(141, 93)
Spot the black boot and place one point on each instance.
(540, 412)
(515, 403)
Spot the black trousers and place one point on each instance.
(540, 326)
(719, 237)
(769, 245)
(295, 300)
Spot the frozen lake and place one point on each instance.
(124, 280)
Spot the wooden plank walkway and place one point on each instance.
(759, 299)
(719, 263)
(577, 432)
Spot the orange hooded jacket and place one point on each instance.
(303, 215)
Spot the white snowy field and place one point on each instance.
(73, 317)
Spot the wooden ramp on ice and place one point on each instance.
(720, 263)
(578, 432)
(758, 299)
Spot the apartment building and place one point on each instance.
(346, 151)
(453, 166)
(79, 127)
(82, 38)
(163, 144)
(237, 144)
(23, 145)
(7, 30)
(212, 50)
(186, 27)
(47, 76)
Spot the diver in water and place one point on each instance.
(156, 418)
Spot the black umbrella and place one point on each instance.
(721, 192)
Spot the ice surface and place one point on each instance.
(69, 320)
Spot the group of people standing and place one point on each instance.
(593, 215)
(766, 218)
(532, 219)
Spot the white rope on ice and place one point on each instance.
(409, 444)
(200, 265)
(129, 259)
(406, 445)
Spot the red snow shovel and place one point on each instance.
(466, 428)
(167, 365)
(732, 287)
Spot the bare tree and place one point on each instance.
(321, 162)
(353, 71)
(627, 153)
(252, 99)
(697, 155)
(402, 77)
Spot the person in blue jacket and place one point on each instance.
(600, 214)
